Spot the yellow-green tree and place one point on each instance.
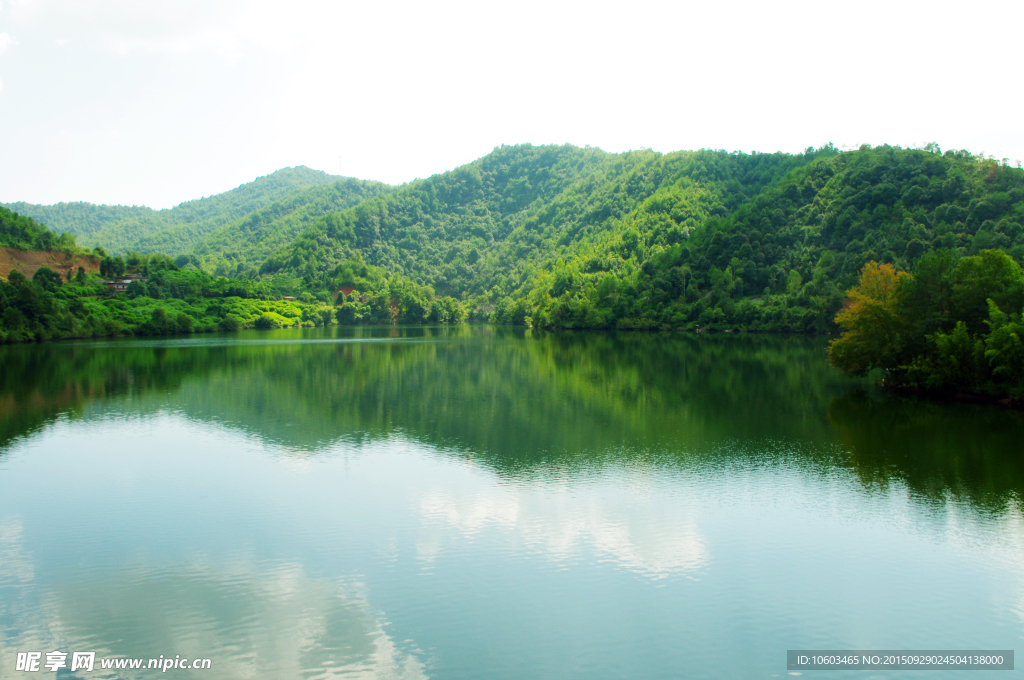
(873, 330)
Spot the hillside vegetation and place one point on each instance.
(21, 232)
(170, 300)
(492, 227)
(240, 247)
(950, 326)
(576, 238)
(568, 237)
(172, 231)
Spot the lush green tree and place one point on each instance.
(918, 327)
(1004, 346)
(47, 279)
(229, 323)
(992, 274)
(874, 331)
(267, 322)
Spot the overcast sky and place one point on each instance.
(154, 102)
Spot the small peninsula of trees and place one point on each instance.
(952, 325)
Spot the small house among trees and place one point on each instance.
(120, 283)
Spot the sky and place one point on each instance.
(157, 102)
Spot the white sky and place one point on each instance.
(154, 102)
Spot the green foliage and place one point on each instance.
(491, 222)
(24, 233)
(923, 330)
(267, 322)
(1004, 346)
(991, 275)
(238, 248)
(170, 300)
(177, 301)
(229, 323)
(47, 279)
(577, 238)
(564, 237)
(173, 231)
(873, 329)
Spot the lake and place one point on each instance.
(481, 502)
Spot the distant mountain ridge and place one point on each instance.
(566, 237)
(173, 230)
(570, 237)
(517, 211)
(241, 246)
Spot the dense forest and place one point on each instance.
(167, 299)
(24, 233)
(173, 231)
(238, 248)
(564, 237)
(951, 325)
(178, 301)
(568, 237)
(499, 227)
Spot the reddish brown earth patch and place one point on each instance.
(28, 261)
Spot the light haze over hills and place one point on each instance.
(121, 228)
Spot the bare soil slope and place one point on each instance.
(28, 261)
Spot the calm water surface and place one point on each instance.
(494, 503)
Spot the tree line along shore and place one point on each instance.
(913, 254)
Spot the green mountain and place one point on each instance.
(24, 233)
(564, 237)
(78, 218)
(175, 230)
(580, 238)
(568, 237)
(520, 209)
(242, 245)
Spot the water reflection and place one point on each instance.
(650, 535)
(523, 402)
(486, 502)
(256, 620)
(162, 553)
(935, 448)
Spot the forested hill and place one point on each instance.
(24, 233)
(508, 216)
(241, 246)
(171, 231)
(569, 237)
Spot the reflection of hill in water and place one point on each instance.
(511, 398)
(934, 447)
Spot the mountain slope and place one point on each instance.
(784, 260)
(494, 221)
(575, 237)
(568, 237)
(79, 218)
(171, 231)
(245, 243)
(21, 232)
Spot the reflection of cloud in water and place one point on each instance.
(1001, 541)
(252, 619)
(16, 575)
(15, 564)
(644, 533)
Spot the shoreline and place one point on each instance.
(956, 395)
